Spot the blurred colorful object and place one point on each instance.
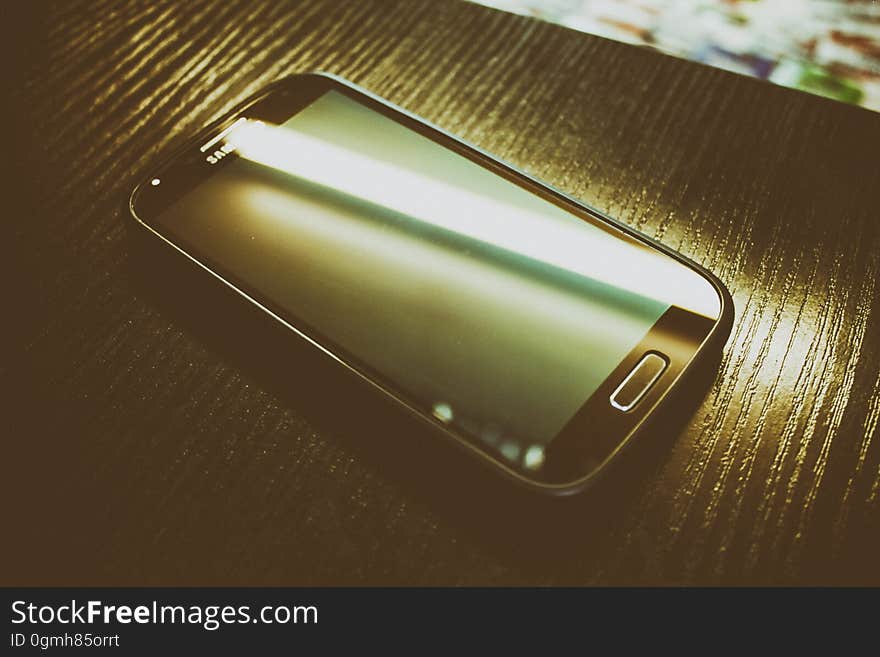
(826, 47)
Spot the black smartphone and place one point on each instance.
(528, 328)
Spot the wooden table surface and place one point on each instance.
(152, 440)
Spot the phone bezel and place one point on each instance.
(572, 461)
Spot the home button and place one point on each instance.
(637, 383)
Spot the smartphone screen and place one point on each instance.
(474, 300)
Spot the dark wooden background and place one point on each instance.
(150, 440)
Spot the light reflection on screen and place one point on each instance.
(489, 308)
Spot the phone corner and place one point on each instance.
(727, 312)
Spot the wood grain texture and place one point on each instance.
(145, 450)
